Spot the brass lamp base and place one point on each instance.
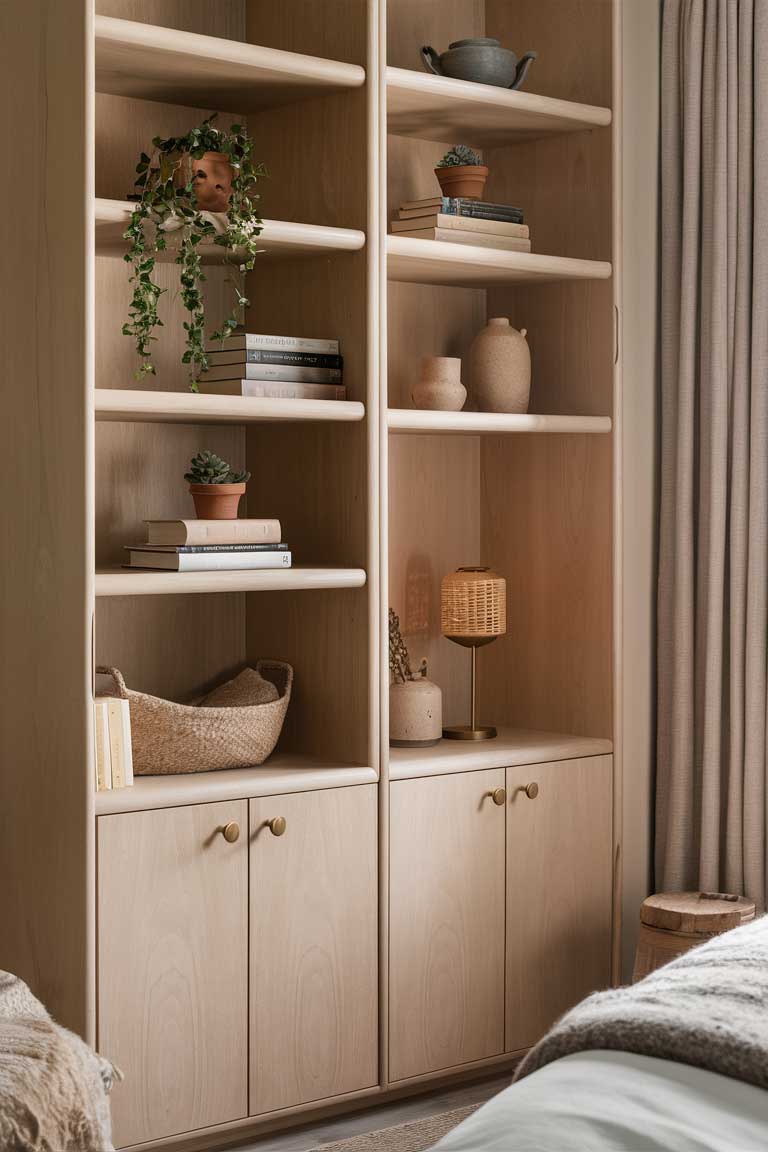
(467, 732)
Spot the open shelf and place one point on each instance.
(437, 108)
(512, 746)
(463, 265)
(280, 238)
(152, 63)
(144, 582)
(282, 773)
(136, 406)
(416, 420)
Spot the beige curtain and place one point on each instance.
(713, 542)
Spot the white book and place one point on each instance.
(463, 224)
(288, 372)
(103, 755)
(120, 741)
(182, 532)
(478, 239)
(273, 390)
(208, 561)
(243, 340)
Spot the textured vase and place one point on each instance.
(415, 713)
(439, 386)
(500, 368)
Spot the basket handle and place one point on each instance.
(117, 676)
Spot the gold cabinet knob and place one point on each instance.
(231, 831)
(531, 790)
(277, 825)
(499, 796)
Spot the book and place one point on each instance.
(240, 340)
(461, 206)
(277, 356)
(207, 561)
(213, 531)
(103, 758)
(120, 751)
(273, 372)
(273, 389)
(205, 549)
(468, 223)
(479, 239)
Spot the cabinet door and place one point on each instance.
(173, 967)
(446, 908)
(559, 883)
(314, 947)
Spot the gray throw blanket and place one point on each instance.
(708, 1008)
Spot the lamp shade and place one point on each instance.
(473, 606)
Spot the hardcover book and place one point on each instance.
(479, 239)
(207, 561)
(273, 389)
(180, 532)
(273, 372)
(103, 758)
(275, 356)
(240, 340)
(468, 223)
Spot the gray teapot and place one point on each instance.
(481, 60)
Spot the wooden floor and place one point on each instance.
(384, 1116)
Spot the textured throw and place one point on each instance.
(708, 1008)
(53, 1087)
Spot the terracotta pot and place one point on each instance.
(415, 713)
(500, 368)
(439, 387)
(216, 501)
(211, 178)
(467, 180)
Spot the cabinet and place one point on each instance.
(173, 967)
(446, 909)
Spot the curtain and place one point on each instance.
(713, 523)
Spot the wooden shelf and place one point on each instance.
(512, 746)
(414, 420)
(143, 582)
(463, 265)
(436, 108)
(152, 63)
(282, 773)
(280, 238)
(136, 406)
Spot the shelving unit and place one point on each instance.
(511, 748)
(133, 405)
(132, 582)
(419, 421)
(415, 261)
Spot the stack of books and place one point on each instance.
(283, 367)
(210, 546)
(460, 221)
(112, 729)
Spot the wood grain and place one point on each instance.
(470, 423)
(434, 22)
(132, 404)
(173, 967)
(512, 746)
(333, 28)
(446, 909)
(314, 985)
(224, 18)
(558, 892)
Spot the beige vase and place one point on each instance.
(439, 386)
(500, 368)
(415, 713)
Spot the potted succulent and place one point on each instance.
(461, 172)
(214, 487)
(415, 703)
(193, 188)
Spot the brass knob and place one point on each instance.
(531, 790)
(276, 825)
(231, 832)
(499, 796)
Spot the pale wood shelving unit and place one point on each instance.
(130, 582)
(512, 748)
(415, 261)
(418, 421)
(128, 405)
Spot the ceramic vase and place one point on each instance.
(415, 713)
(439, 386)
(500, 368)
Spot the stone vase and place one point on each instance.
(439, 386)
(415, 713)
(500, 368)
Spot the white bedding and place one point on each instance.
(618, 1102)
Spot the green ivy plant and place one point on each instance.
(208, 468)
(161, 198)
(460, 156)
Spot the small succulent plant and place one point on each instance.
(208, 468)
(459, 156)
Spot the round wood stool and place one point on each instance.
(673, 922)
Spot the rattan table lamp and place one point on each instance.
(473, 612)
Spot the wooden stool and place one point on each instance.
(673, 922)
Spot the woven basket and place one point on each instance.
(170, 738)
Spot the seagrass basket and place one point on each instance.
(170, 738)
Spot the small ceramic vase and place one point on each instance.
(211, 177)
(439, 386)
(415, 713)
(500, 368)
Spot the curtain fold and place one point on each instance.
(713, 526)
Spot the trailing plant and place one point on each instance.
(399, 661)
(208, 468)
(460, 156)
(166, 203)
